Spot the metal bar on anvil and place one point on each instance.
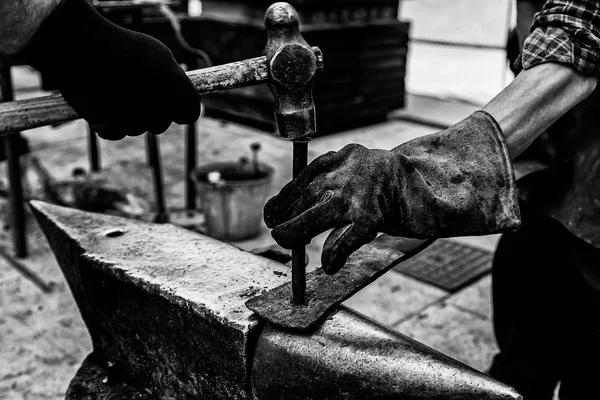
(167, 306)
(325, 292)
(48, 110)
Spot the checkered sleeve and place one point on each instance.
(565, 31)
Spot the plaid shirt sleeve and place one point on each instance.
(565, 31)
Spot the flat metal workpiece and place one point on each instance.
(165, 307)
(325, 292)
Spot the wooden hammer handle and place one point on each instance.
(20, 115)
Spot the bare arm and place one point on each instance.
(561, 62)
(535, 99)
(20, 20)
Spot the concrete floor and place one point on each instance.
(42, 337)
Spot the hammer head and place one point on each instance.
(292, 68)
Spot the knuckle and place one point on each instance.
(353, 148)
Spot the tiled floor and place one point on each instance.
(43, 339)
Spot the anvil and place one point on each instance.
(168, 306)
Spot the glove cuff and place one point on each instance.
(458, 182)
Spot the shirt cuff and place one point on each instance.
(553, 44)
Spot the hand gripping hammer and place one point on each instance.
(292, 65)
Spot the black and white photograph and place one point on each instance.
(312, 199)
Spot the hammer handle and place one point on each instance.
(32, 113)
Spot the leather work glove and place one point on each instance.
(452, 183)
(122, 82)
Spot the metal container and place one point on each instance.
(233, 206)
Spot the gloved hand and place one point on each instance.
(122, 82)
(452, 183)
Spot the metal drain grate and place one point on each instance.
(448, 265)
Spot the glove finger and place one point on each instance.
(70, 96)
(277, 207)
(136, 132)
(117, 131)
(299, 230)
(107, 132)
(156, 118)
(185, 108)
(342, 242)
(159, 126)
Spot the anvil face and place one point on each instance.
(167, 305)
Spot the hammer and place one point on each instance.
(292, 65)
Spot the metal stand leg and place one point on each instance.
(155, 164)
(93, 150)
(17, 209)
(190, 165)
(11, 143)
(149, 159)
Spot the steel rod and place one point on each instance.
(190, 165)
(300, 160)
(93, 150)
(156, 167)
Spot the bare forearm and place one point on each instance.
(535, 100)
(20, 20)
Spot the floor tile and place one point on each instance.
(393, 297)
(476, 298)
(455, 332)
(487, 242)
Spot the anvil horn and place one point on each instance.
(167, 305)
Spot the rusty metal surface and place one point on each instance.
(324, 292)
(350, 357)
(166, 307)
